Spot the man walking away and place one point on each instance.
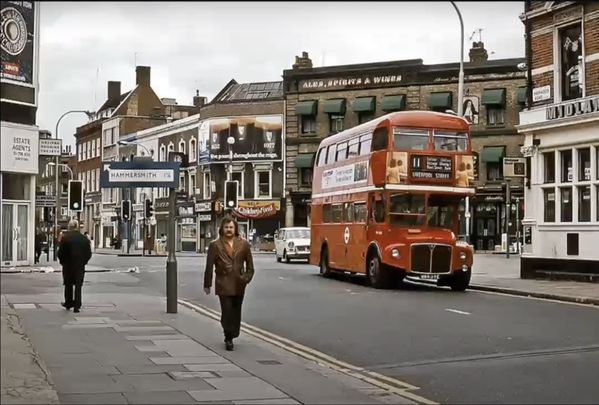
(39, 241)
(230, 257)
(74, 251)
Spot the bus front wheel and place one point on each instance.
(377, 273)
(325, 270)
(461, 280)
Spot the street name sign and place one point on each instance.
(45, 200)
(139, 174)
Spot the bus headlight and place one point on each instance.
(395, 253)
(463, 255)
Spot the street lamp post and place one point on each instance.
(461, 104)
(71, 175)
(230, 142)
(56, 184)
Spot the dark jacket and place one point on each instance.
(74, 251)
(231, 276)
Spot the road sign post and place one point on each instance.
(151, 174)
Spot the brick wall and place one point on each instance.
(130, 125)
(237, 109)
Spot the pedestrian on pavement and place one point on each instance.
(230, 257)
(39, 241)
(74, 251)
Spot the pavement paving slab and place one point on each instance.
(116, 359)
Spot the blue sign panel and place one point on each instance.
(139, 174)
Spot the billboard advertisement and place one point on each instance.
(256, 138)
(19, 42)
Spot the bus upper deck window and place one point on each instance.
(453, 141)
(365, 142)
(331, 153)
(322, 156)
(410, 138)
(380, 139)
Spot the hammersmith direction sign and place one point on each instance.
(139, 174)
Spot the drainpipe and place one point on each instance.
(528, 52)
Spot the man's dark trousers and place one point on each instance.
(230, 318)
(72, 295)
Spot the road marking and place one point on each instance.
(580, 304)
(457, 311)
(392, 385)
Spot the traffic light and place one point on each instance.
(126, 210)
(75, 195)
(231, 188)
(148, 208)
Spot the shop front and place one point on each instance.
(186, 227)
(205, 220)
(301, 208)
(19, 167)
(258, 221)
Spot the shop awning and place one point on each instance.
(364, 104)
(336, 106)
(304, 160)
(440, 101)
(492, 154)
(493, 97)
(521, 95)
(306, 107)
(393, 103)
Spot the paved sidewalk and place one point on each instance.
(24, 379)
(498, 274)
(138, 252)
(123, 348)
(48, 266)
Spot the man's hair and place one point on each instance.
(73, 225)
(225, 221)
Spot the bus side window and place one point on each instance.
(354, 146)
(322, 156)
(337, 213)
(380, 139)
(365, 142)
(348, 212)
(379, 211)
(341, 152)
(360, 212)
(327, 214)
(331, 152)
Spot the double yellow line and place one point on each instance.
(389, 384)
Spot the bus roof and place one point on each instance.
(412, 119)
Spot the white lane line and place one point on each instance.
(457, 311)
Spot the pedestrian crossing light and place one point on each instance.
(231, 189)
(148, 208)
(126, 210)
(75, 195)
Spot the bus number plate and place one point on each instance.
(429, 277)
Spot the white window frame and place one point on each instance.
(193, 148)
(191, 183)
(256, 184)
(206, 186)
(241, 190)
(98, 145)
(162, 156)
(92, 151)
(182, 146)
(92, 183)
(557, 59)
(64, 211)
(98, 179)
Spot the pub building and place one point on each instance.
(325, 100)
(561, 130)
(252, 115)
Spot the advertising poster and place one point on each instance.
(17, 40)
(256, 138)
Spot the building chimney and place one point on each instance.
(199, 101)
(302, 62)
(478, 53)
(142, 76)
(114, 90)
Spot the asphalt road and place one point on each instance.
(470, 347)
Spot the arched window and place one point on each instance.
(182, 146)
(192, 150)
(162, 156)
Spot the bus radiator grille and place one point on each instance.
(422, 255)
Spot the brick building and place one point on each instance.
(251, 113)
(326, 100)
(561, 130)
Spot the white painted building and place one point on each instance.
(562, 204)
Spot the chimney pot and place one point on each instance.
(114, 90)
(478, 53)
(142, 74)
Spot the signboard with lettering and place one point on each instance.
(19, 151)
(42, 200)
(203, 206)
(578, 107)
(256, 209)
(50, 147)
(541, 93)
(514, 167)
(139, 174)
(348, 83)
(355, 173)
(430, 167)
(19, 43)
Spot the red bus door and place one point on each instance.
(376, 217)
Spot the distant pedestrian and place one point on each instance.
(39, 241)
(74, 252)
(230, 257)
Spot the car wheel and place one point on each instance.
(285, 257)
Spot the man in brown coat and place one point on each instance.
(230, 258)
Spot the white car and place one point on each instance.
(292, 243)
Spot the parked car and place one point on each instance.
(292, 243)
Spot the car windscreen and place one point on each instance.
(298, 234)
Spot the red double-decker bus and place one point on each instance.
(386, 196)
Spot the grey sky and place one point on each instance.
(203, 45)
